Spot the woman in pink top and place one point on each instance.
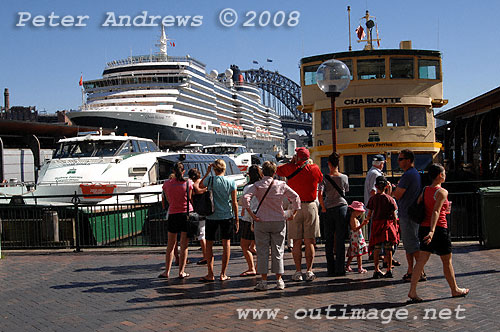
(175, 194)
(270, 222)
(434, 235)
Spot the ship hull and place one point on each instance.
(169, 136)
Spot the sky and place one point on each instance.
(42, 65)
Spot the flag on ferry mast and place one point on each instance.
(378, 39)
(360, 32)
(81, 80)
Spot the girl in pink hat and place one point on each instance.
(357, 244)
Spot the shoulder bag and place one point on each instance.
(203, 204)
(416, 211)
(335, 185)
(193, 219)
(297, 171)
(265, 194)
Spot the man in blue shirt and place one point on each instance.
(406, 192)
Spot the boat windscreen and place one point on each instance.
(87, 149)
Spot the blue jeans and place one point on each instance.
(335, 225)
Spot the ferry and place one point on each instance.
(173, 100)
(388, 106)
(96, 166)
(240, 154)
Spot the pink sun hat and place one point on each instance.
(357, 206)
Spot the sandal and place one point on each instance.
(183, 275)
(204, 279)
(463, 294)
(423, 277)
(248, 274)
(163, 276)
(414, 300)
(225, 278)
(348, 269)
(407, 277)
(361, 271)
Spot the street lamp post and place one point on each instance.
(333, 77)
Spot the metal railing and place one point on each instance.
(80, 224)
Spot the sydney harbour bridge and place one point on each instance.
(283, 95)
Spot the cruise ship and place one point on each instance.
(174, 101)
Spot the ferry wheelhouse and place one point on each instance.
(387, 107)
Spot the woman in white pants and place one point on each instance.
(270, 222)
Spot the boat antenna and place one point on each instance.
(349, 20)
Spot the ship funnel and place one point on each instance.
(6, 99)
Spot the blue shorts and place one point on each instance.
(409, 235)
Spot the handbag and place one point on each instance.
(203, 204)
(193, 219)
(416, 211)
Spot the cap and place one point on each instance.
(302, 153)
(357, 206)
(378, 157)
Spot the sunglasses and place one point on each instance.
(400, 159)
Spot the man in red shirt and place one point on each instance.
(303, 177)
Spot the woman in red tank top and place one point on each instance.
(434, 235)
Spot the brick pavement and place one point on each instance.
(119, 291)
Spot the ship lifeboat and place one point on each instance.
(88, 190)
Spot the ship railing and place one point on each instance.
(142, 221)
(152, 58)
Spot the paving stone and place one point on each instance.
(120, 291)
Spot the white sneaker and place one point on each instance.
(262, 286)
(297, 276)
(310, 276)
(280, 284)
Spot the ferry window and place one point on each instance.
(353, 164)
(349, 65)
(106, 148)
(422, 160)
(324, 165)
(326, 120)
(152, 147)
(369, 69)
(373, 117)
(351, 118)
(135, 146)
(126, 148)
(428, 69)
(369, 160)
(417, 116)
(310, 74)
(144, 146)
(394, 163)
(401, 68)
(395, 116)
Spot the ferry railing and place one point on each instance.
(136, 223)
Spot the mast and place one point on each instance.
(163, 44)
(349, 20)
(369, 23)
